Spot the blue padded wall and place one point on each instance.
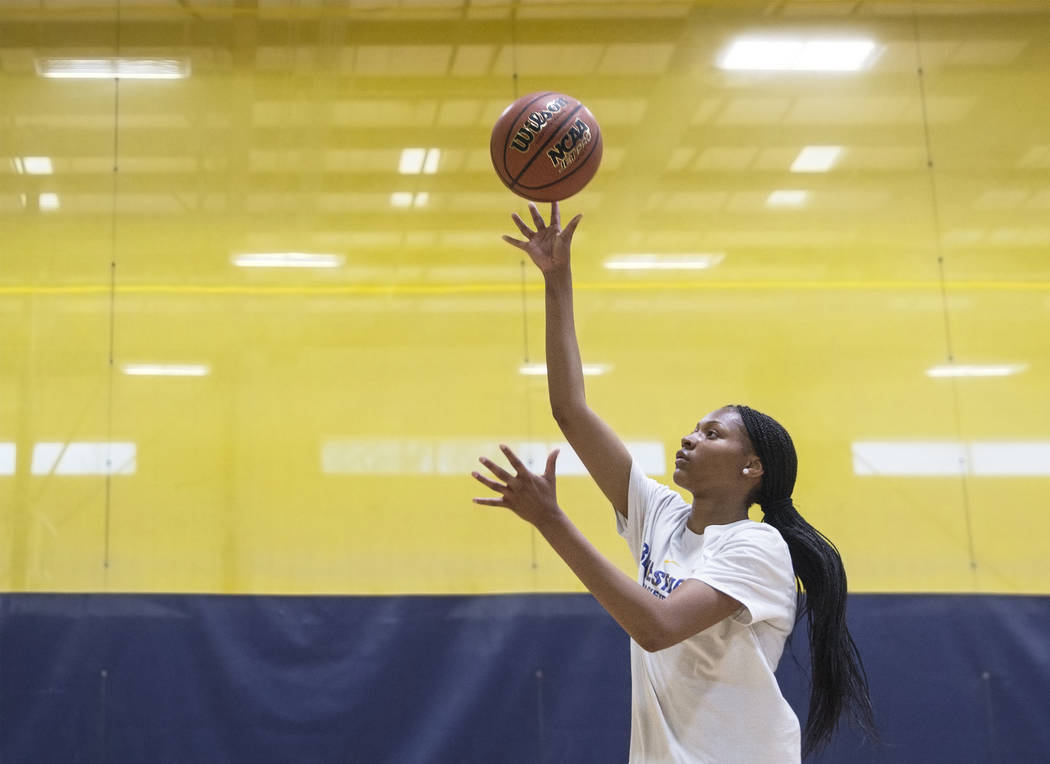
(531, 678)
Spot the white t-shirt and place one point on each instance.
(711, 698)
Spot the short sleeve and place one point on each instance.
(630, 527)
(646, 500)
(753, 566)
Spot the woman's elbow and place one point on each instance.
(654, 640)
(649, 645)
(566, 416)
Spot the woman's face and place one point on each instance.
(713, 456)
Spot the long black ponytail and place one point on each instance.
(838, 682)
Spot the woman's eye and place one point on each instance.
(712, 433)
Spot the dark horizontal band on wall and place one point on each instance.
(512, 678)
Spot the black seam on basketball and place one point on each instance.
(543, 148)
(586, 159)
(506, 140)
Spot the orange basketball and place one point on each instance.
(546, 146)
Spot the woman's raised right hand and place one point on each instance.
(547, 245)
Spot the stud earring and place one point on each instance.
(747, 471)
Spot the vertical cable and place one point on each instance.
(942, 280)
(112, 302)
(104, 672)
(514, 47)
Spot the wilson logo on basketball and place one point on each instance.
(571, 144)
(535, 122)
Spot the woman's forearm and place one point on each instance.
(564, 366)
(633, 607)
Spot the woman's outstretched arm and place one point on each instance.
(651, 622)
(598, 446)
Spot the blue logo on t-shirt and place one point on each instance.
(659, 582)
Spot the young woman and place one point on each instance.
(704, 648)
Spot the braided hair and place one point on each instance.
(838, 681)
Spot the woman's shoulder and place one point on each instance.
(757, 547)
(751, 533)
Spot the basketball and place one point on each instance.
(546, 146)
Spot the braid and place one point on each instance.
(838, 681)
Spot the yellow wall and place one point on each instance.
(927, 242)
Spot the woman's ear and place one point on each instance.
(753, 467)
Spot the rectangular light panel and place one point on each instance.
(974, 370)
(84, 459)
(794, 55)
(918, 458)
(947, 458)
(32, 165)
(816, 158)
(1010, 458)
(540, 369)
(654, 262)
(417, 161)
(388, 456)
(165, 370)
(409, 199)
(787, 198)
(411, 161)
(7, 458)
(113, 68)
(287, 260)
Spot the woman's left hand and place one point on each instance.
(532, 497)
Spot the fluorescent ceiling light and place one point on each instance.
(787, 198)
(944, 458)
(165, 370)
(761, 54)
(49, 202)
(816, 158)
(1010, 458)
(908, 458)
(835, 55)
(430, 164)
(988, 370)
(110, 68)
(758, 54)
(420, 455)
(7, 458)
(84, 459)
(32, 165)
(540, 369)
(408, 199)
(416, 161)
(411, 161)
(287, 260)
(655, 262)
